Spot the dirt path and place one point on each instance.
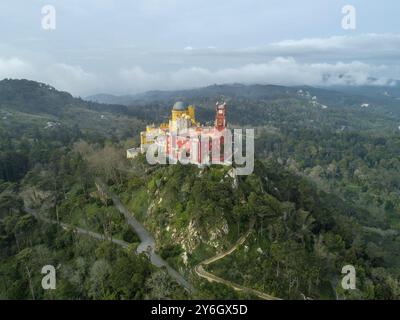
(65, 226)
(201, 272)
(143, 247)
(148, 245)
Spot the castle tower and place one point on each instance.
(220, 117)
(178, 110)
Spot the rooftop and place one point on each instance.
(179, 106)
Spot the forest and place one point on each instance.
(324, 194)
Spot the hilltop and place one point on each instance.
(301, 239)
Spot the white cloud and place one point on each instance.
(72, 78)
(364, 41)
(60, 75)
(280, 70)
(354, 60)
(284, 71)
(371, 45)
(14, 68)
(137, 80)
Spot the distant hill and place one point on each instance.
(33, 97)
(392, 91)
(213, 91)
(39, 98)
(111, 99)
(334, 96)
(253, 105)
(25, 103)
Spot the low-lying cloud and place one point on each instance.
(340, 60)
(13, 67)
(281, 70)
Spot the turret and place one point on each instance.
(220, 119)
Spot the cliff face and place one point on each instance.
(188, 217)
(194, 234)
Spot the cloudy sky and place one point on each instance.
(130, 46)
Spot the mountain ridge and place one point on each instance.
(254, 91)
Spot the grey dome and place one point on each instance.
(179, 106)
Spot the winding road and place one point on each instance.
(65, 226)
(148, 244)
(201, 272)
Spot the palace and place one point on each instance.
(183, 137)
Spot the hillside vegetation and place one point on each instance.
(324, 194)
